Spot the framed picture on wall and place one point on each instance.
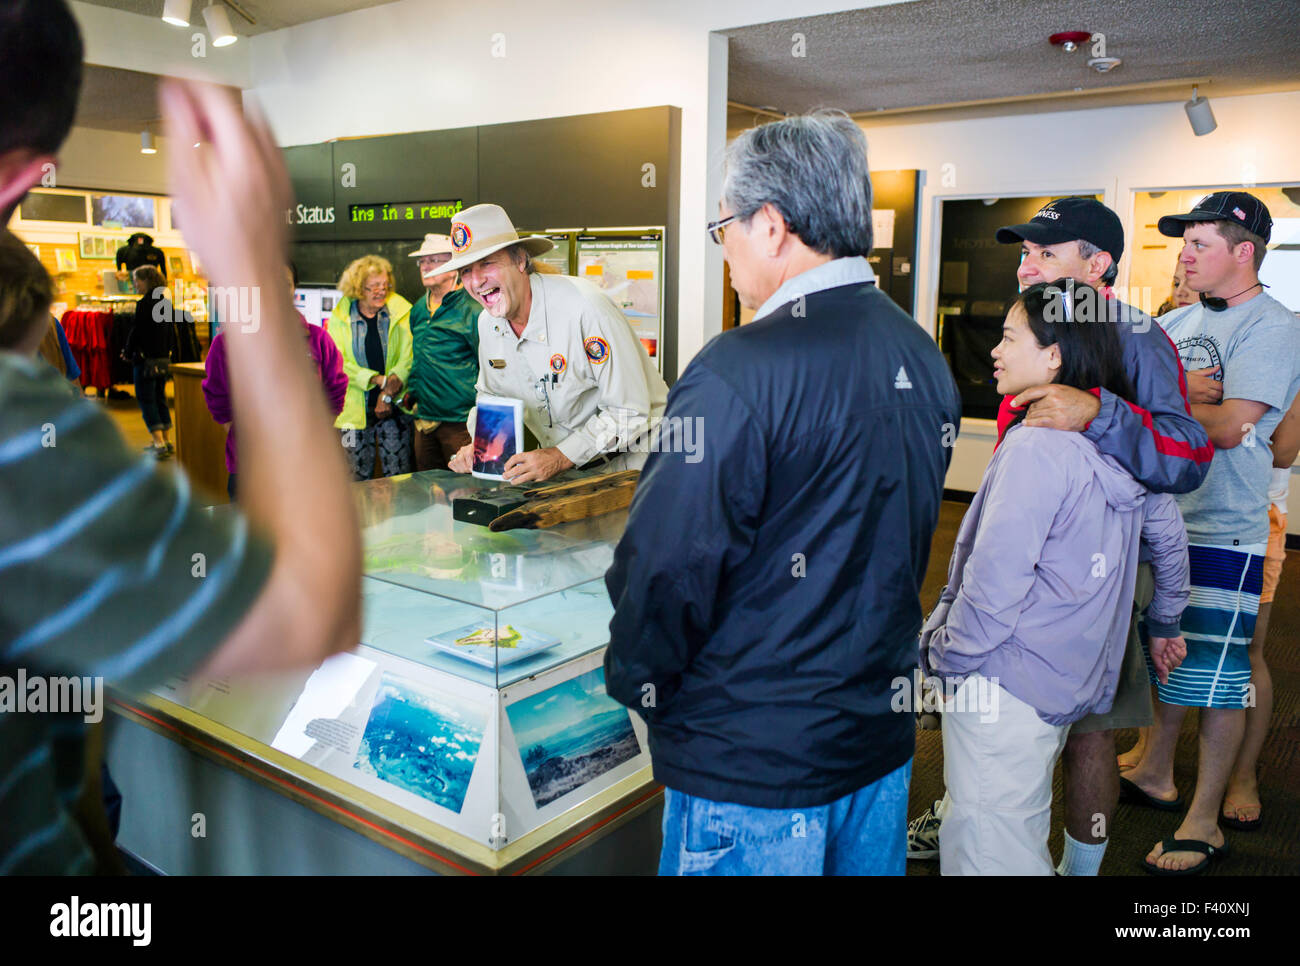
(175, 266)
(95, 245)
(65, 260)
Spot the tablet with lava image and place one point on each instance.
(498, 435)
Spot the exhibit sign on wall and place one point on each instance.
(629, 269)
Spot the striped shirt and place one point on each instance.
(108, 569)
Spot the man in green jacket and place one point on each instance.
(444, 329)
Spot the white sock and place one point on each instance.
(1081, 859)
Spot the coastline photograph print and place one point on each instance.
(422, 741)
(571, 734)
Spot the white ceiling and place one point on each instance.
(979, 56)
(268, 14)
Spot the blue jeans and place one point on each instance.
(864, 833)
(151, 394)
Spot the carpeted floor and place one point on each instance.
(1273, 849)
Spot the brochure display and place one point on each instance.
(472, 718)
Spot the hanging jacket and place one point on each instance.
(1041, 579)
(399, 357)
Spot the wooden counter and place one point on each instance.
(200, 440)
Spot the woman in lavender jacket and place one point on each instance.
(1029, 634)
(216, 381)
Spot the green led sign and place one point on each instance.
(404, 211)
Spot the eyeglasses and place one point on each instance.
(376, 289)
(718, 229)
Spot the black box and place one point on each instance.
(485, 507)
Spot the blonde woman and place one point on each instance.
(371, 327)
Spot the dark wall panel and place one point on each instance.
(310, 171)
(431, 166)
(586, 171)
(321, 263)
(578, 171)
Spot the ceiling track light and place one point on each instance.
(1199, 114)
(177, 12)
(146, 142)
(218, 21)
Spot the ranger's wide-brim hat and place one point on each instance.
(479, 231)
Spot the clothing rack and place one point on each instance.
(97, 330)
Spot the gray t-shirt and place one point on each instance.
(1257, 346)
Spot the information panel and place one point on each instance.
(630, 271)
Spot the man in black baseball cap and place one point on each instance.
(1240, 209)
(1092, 232)
(1152, 436)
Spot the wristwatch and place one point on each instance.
(387, 399)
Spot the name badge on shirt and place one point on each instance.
(497, 363)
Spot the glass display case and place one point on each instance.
(473, 716)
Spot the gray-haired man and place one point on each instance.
(762, 640)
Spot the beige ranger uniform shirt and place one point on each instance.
(586, 382)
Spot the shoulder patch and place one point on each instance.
(597, 349)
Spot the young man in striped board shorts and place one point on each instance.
(1241, 350)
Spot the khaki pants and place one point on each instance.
(1132, 707)
(998, 758)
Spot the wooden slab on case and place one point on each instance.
(599, 496)
(582, 486)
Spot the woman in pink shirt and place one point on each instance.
(216, 383)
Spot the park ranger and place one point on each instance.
(589, 390)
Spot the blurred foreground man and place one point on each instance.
(98, 546)
(766, 591)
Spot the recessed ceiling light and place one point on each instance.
(1104, 65)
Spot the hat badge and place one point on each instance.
(461, 237)
(1239, 213)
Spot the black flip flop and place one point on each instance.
(1171, 844)
(1134, 795)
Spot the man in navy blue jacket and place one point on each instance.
(767, 588)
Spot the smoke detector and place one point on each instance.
(1104, 65)
(1069, 40)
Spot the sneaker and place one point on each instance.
(170, 449)
(923, 834)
